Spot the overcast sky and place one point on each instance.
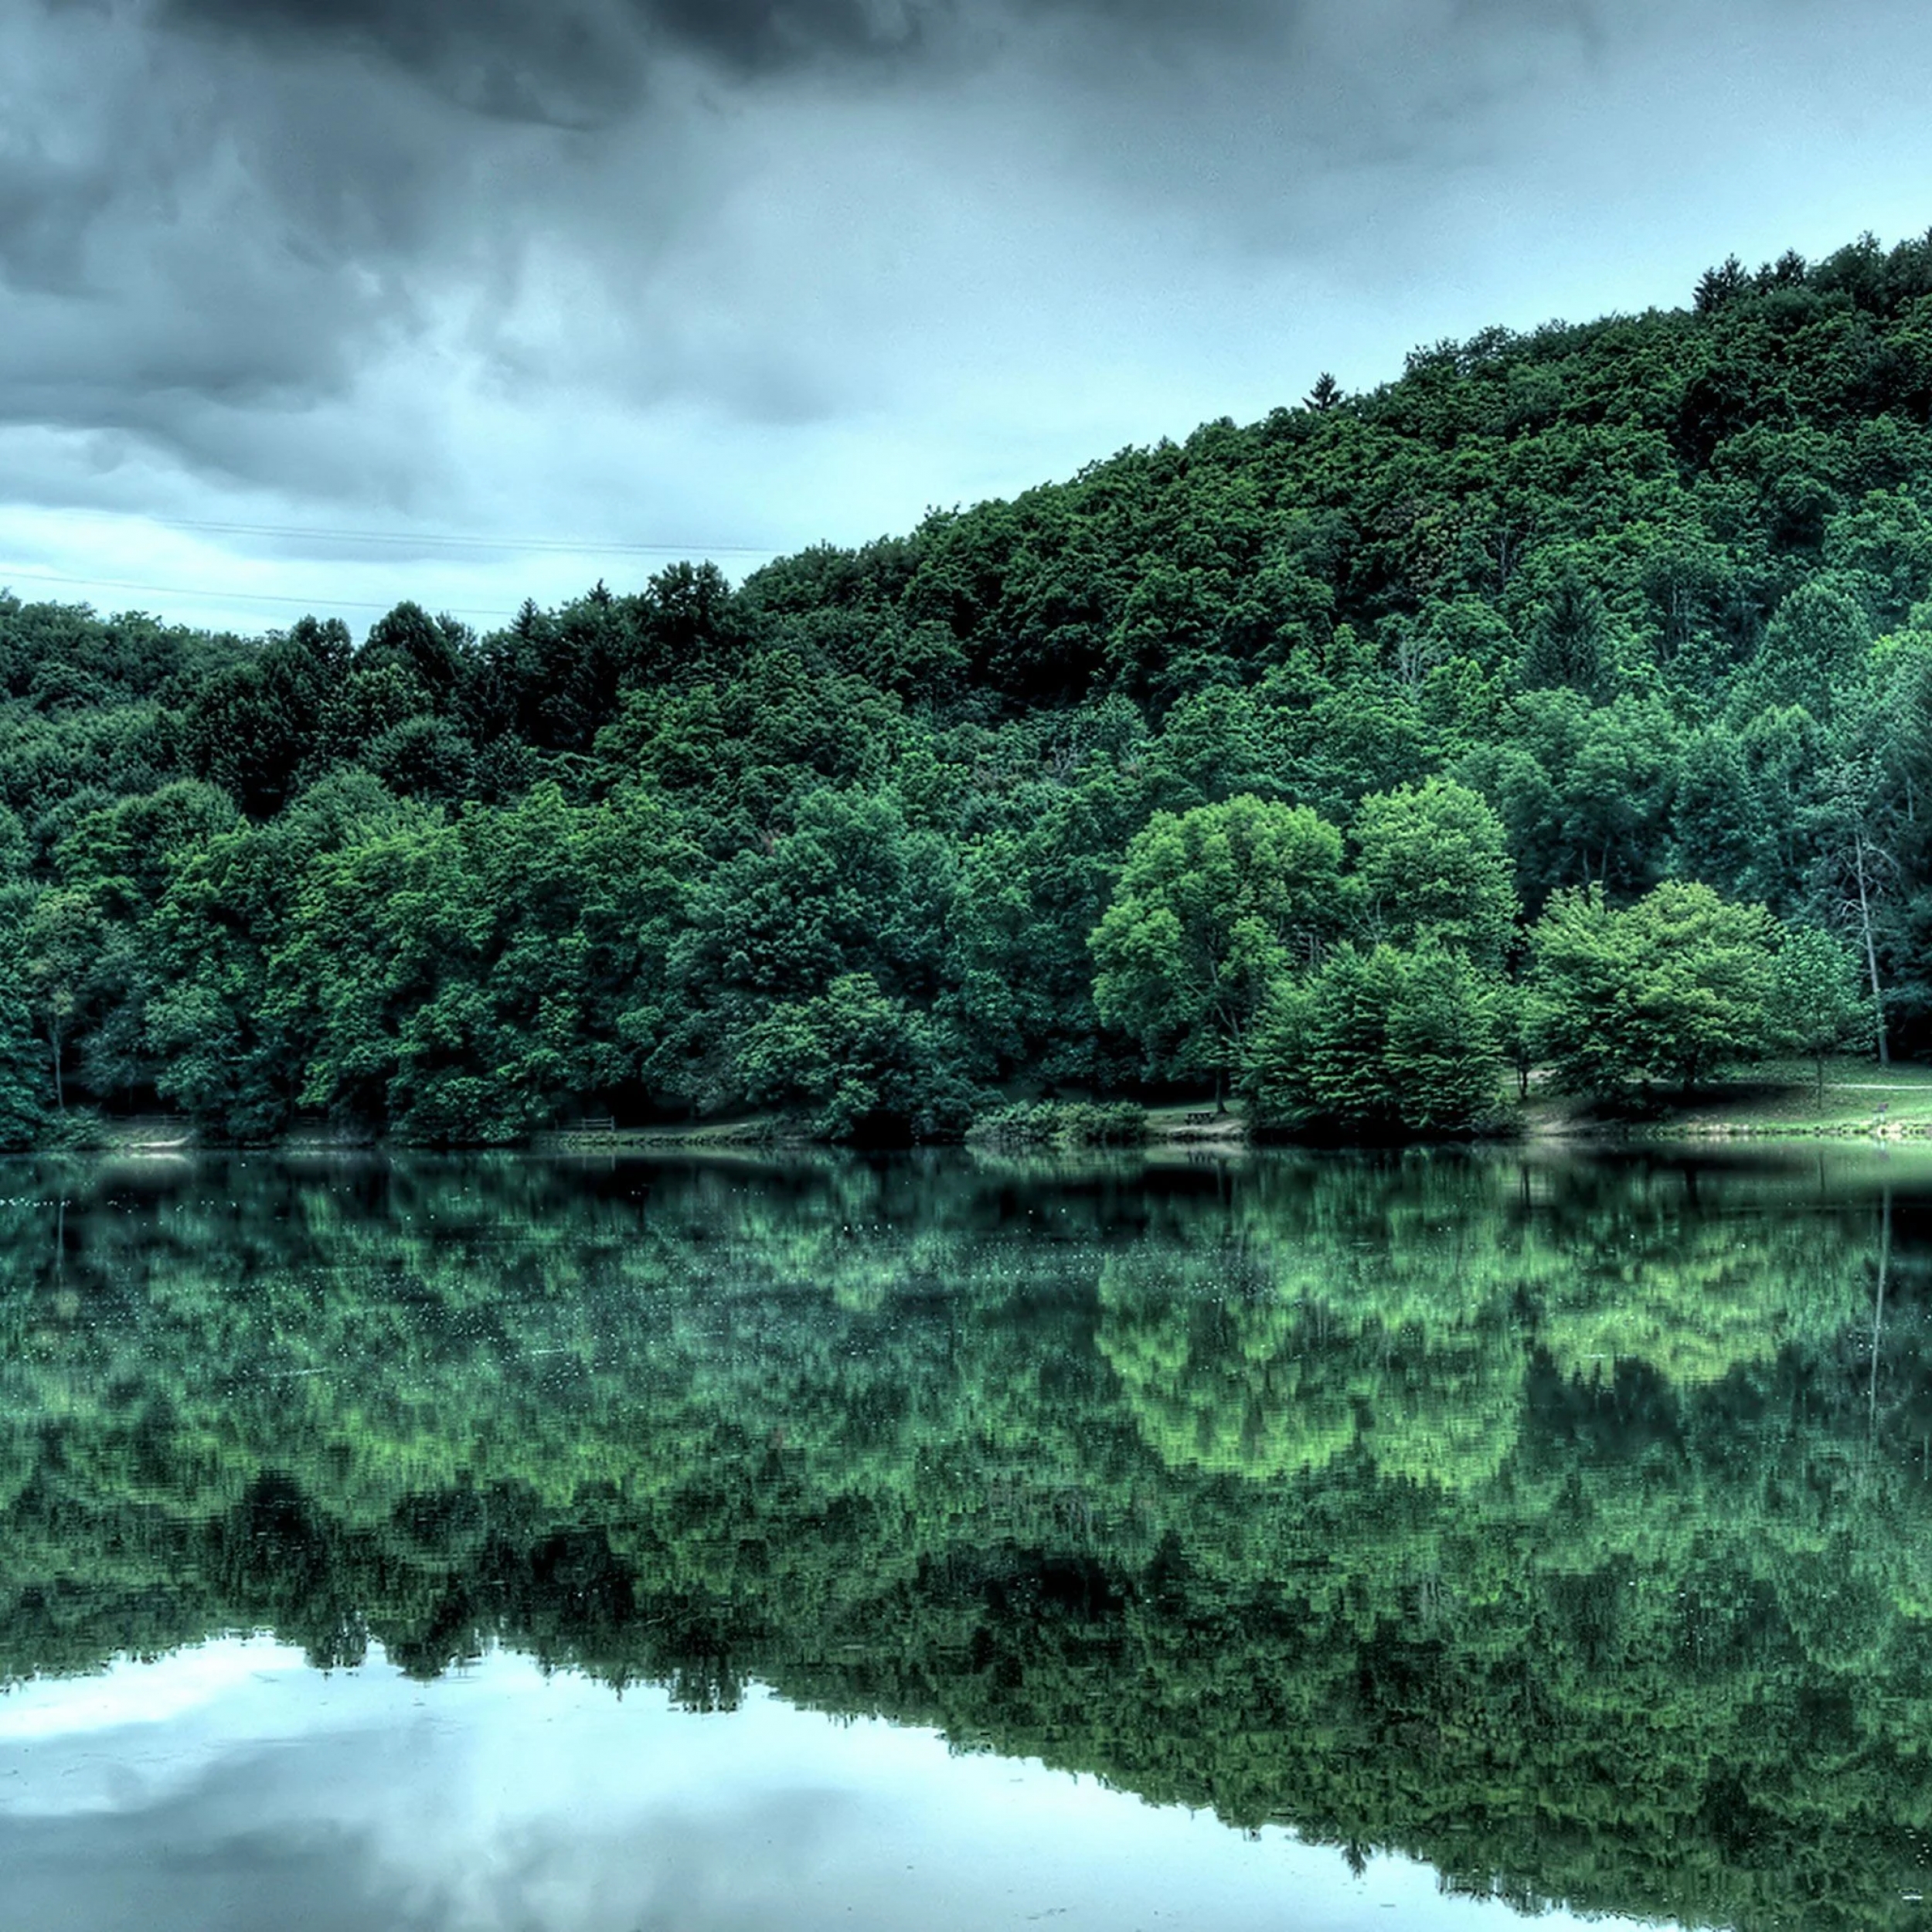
(336, 302)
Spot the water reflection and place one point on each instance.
(499, 1801)
(1564, 1525)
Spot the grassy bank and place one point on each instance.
(1190, 1123)
(1775, 1099)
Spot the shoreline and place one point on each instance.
(1765, 1106)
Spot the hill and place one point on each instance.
(1523, 710)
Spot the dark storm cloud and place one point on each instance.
(579, 63)
(596, 262)
(748, 34)
(584, 62)
(209, 207)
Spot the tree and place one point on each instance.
(1655, 993)
(222, 1050)
(1213, 907)
(1326, 395)
(1715, 817)
(1027, 896)
(60, 941)
(1720, 286)
(1433, 864)
(870, 1068)
(22, 1086)
(255, 727)
(1568, 637)
(1856, 872)
(1816, 1006)
(466, 982)
(22, 1111)
(1519, 1029)
(1378, 1042)
(849, 889)
(430, 650)
(1813, 649)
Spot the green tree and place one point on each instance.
(222, 1050)
(1816, 1004)
(1433, 863)
(868, 1067)
(1569, 637)
(1656, 993)
(1213, 907)
(1855, 873)
(1717, 817)
(60, 940)
(1380, 1042)
(467, 982)
(22, 1063)
(1811, 652)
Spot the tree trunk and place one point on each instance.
(60, 1091)
(1871, 951)
(1878, 1314)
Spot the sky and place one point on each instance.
(316, 305)
(228, 1788)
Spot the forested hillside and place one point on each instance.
(1567, 701)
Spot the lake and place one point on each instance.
(662, 1546)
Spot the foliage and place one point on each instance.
(1658, 994)
(1631, 604)
(1379, 1043)
(858, 1057)
(1816, 1004)
(1433, 866)
(1074, 1124)
(1213, 907)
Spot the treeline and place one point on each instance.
(1565, 1525)
(1356, 756)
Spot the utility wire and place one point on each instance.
(534, 544)
(220, 596)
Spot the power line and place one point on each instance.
(539, 545)
(219, 595)
(533, 545)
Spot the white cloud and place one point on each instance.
(216, 1785)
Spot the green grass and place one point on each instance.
(1778, 1098)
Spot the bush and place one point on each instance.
(1380, 1043)
(1109, 1123)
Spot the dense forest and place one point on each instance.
(1567, 1525)
(1565, 703)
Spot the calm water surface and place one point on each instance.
(658, 1548)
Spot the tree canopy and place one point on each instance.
(1056, 796)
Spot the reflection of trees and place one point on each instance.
(1656, 1275)
(1221, 1375)
(1559, 1524)
(1225, 1374)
